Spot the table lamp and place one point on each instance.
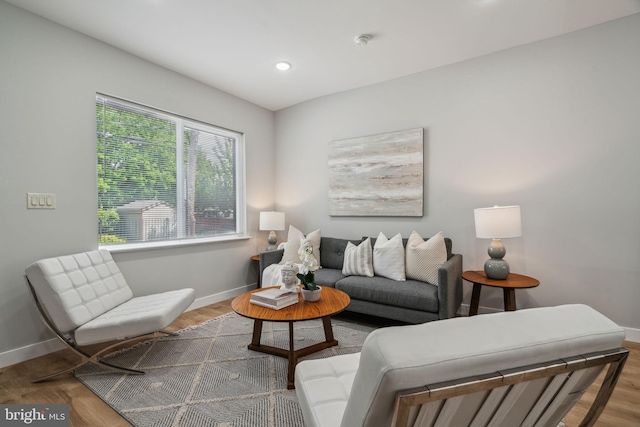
(498, 222)
(272, 221)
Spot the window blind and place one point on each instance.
(162, 177)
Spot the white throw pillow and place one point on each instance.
(388, 257)
(358, 260)
(424, 258)
(293, 244)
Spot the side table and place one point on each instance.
(508, 285)
(255, 260)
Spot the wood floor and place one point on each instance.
(86, 409)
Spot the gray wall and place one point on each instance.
(551, 126)
(49, 76)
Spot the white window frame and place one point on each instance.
(240, 182)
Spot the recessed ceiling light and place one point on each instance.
(283, 66)
(362, 40)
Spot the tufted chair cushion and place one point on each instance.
(75, 289)
(324, 388)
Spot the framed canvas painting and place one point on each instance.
(379, 175)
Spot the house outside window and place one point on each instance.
(164, 179)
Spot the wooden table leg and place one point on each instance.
(328, 331)
(291, 354)
(475, 299)
(293, 360)
(257, 332)
(509, 295)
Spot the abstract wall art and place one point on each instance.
(379, 175)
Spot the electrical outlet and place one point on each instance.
(41, 201)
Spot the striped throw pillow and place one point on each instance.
(358, 260)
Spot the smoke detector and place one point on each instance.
(362, 40)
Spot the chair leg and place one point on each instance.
(101, 363)
(88, 358)
(606, 389)
(95, 359)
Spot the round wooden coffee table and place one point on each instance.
(332, 301)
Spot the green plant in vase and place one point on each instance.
(307, 275)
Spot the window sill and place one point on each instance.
(134, 247)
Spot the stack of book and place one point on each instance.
(274, 298)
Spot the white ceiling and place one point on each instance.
(233, 45)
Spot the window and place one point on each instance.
(163, 178)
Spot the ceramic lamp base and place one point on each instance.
(272, 239)
(497, 269)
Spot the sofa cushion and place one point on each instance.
(332, 251)
(293, 244)
(391, 312)
(408, 294)
(358, 260)
(388, 257)
(328, 277)
(424, 258)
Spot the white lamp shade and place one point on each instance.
(498, 222)
(272, 221)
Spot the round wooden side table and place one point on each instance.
(508, 285)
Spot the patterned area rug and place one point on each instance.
(206, 376)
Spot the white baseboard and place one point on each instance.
(31, 351)
(220, 296)
(464, 310)
(633, 335)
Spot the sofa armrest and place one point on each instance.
(450, 287)
(268, 258)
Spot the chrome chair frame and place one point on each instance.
(85, 356)
(432, 404)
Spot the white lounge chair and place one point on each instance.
(84, 299)
(521, 368)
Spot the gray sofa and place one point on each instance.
(408, 301)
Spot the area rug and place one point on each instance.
(206, 376)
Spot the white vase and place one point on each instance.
(308, 295)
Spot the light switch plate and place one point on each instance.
(41, 201)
